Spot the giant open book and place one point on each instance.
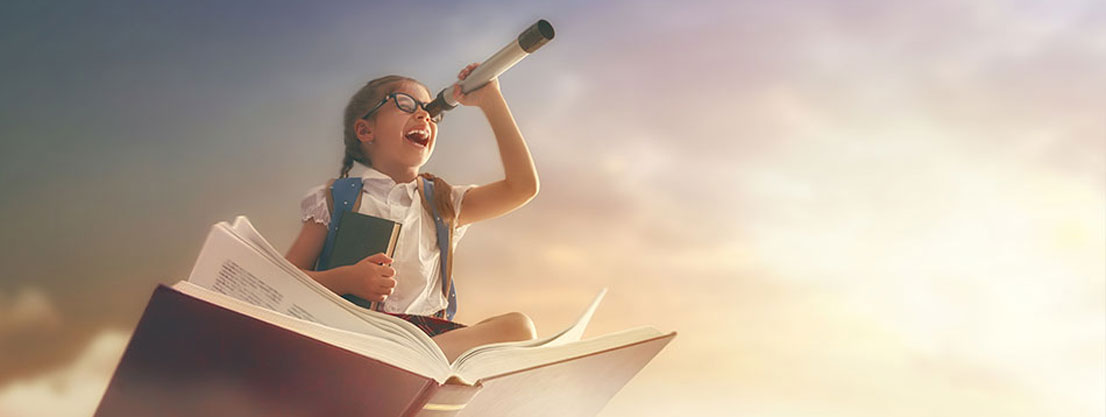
(249, 334)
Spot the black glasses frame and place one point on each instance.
(418, 104)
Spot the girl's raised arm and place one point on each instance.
(520, 182)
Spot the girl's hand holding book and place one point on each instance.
(372, 278)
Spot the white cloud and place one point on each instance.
(73, 390)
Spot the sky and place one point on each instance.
(846, 208)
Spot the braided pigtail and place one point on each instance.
(347, 165)
(443, 199)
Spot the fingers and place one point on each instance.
(386, 271)
(379, 259)
(386, 285)
(376, 280)
(383, 288)
(467, 70)
(376, 288)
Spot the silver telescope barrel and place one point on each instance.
(528, 41)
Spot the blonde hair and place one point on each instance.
(363, 100)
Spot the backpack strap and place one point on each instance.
(345, 194)
(445, 248)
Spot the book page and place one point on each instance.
(244, 230)
(565, 384)
(495, 362)
(227, 265)
(571, 334)
(576, 331)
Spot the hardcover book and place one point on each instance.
(360, 235)
(249, 334)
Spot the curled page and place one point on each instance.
(571, 334)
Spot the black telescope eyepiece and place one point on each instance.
(438, 104)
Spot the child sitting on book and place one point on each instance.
(388, 130)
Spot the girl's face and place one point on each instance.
(399, 138)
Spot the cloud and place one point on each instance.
(73, 390)
(27, 310)
(30, 326)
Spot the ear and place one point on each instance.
(363, 131)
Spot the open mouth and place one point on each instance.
(420, 137)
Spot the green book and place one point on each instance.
(359, 236)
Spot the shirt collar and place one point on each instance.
(371, 175)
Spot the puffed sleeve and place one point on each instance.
(457, 192)
(313, 207)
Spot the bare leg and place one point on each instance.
(509, 327)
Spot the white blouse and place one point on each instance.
(417, 258)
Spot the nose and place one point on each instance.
(421, 113)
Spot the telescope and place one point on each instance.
(528, 41)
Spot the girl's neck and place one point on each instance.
(401, 175)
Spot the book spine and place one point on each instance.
(393, 240)
(446, 401)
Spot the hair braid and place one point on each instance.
(347, 164)
(443, 198)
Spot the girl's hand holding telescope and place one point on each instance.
(479, 97)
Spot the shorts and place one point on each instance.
(432, 326)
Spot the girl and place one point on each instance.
(388, 130)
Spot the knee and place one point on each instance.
(516, 326)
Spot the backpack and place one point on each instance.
(345, 194)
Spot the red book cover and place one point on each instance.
(188, 357)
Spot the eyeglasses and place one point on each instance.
(403, 102)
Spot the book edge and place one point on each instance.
(669, 336)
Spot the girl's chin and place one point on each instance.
(417, 157)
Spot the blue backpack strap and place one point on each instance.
(344, 193)
(443, 247)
